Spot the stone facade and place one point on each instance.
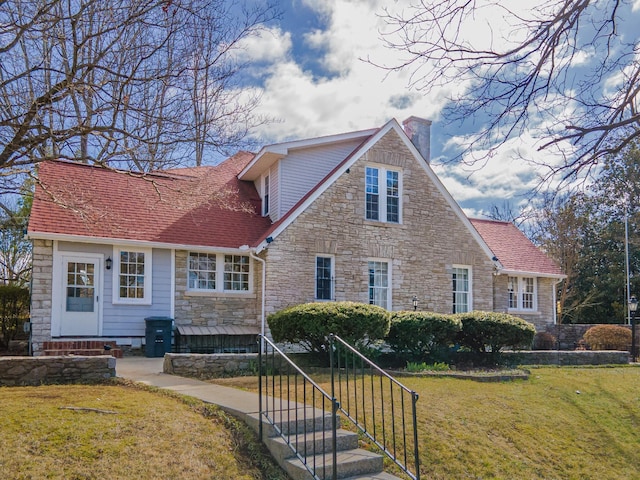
(55, 370)
(542, 317)
(421, 251)
(209, 365)
(215, 308)
(42, 276)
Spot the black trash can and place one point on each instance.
(158, 336)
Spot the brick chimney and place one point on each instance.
(419, 132)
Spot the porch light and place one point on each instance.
(415, 303)
(633, 307)
(108, 263)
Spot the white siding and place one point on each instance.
(303, 169)
(128, 320)
(274, 180)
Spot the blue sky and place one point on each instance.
(309, 72)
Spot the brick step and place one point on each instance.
(88, 352)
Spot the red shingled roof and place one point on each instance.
(204, 206)
(514, 251)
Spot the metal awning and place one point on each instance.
(217, 330)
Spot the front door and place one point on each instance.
(80, 305)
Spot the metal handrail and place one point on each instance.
(280, 405)
(349, 366)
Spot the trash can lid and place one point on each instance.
(168, 319)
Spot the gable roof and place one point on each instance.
(203, 206)
(516, 253)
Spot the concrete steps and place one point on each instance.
(309, 431)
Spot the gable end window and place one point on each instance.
(522, 293)
(461, 287)
(382, 194)
(265, 197)
(132, 276)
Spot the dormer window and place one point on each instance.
(383, 190)
(265, 196)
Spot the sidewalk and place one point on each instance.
(149, 371)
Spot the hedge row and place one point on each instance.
(412, 335)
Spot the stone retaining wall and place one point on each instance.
(563, 357)
(16, 371)
(212, 365)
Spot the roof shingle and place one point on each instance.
(514, 251)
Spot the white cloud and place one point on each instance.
(268, 45)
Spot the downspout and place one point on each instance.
(264, 288)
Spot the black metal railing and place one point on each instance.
(382, 408)
(299, 410)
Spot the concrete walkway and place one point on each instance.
(149, 371)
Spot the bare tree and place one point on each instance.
(112, 82)
(566, 68)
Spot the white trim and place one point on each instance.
(148, 276)
(128, 243)
(58, 283)
(519, 294)
(389, 264)
(521, 273)
(469, 270)
(332, 293)
(172, 300)
(382, 192)
(220, 271)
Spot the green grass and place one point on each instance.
(153, 435)
(562, 423)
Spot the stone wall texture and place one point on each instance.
(55, 370)
(558, 357)
(209, 365)
(41, 294)
(568, 335)
(215, 308)
(421, 251)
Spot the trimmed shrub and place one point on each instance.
(414, 336)
(608, 337)
(14, 311)
(544, 341)
(309, 324)
(489, 332)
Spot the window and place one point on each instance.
(216, 272)
(324, 278)
(133, 276)
(461, 277)
(202, 271)
(522, 293)
(379, 284)
(382, 194)
(236, 272)
(265, 197)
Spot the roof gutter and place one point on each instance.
(245, 248)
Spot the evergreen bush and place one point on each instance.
(416, 336)
(489, 332)
(309, 324)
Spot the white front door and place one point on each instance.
(80, 296)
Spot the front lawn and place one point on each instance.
(562, 423)
(119, 431)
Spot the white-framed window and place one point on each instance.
(379, 283)
(132, 275)
(236, 273)
(461, 288)
(265, 196)
(218, 272)
(202, 271)
(324, 277)
(383, 191)
(522, 293)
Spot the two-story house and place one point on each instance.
(358, 216)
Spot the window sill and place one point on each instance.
(380, 223)
(204, 293)
(524, 312)
(131, 303)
